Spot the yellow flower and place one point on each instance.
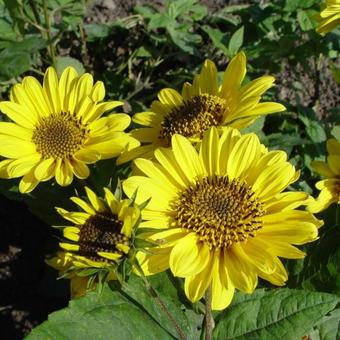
(330, 187)
(101, 237)
(329, 17)
(220, 216)
(57, 129)
(63, 264)
(202, 105)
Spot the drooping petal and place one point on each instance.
(188, 258)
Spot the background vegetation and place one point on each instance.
(138, 48)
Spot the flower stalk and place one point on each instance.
(160, 302)
(209, 319)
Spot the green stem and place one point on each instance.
(51, 49)
(35, 11)
(162, 305)
(85, 54)
(209, 320)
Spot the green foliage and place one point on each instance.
(122, 312)
(176, 19)
(276, 314)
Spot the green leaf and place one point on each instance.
(63, 62)
(316, 132)
(189, 321)
(335, 132)
(130, 312)
(160, 20)
(218, 38)
(314, 129)
(255, 127)
(96, 31)
(305, 20)
(277, 314)
(183, 39)
(180, 7)
(100, 316)
(236, 41)
(329, 327)
(30, 44)
(13, 64)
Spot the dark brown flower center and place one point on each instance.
(220, 211)
(194, 117)
(101, 233)
(59, 135)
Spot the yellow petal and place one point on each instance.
(82, 91)
(65, 86)
(149, 118)
(333, 146)
(243, 156)
(12, 129)
(69, 246)
(20, 96)
(209, 151)
(45, 170)
(82, 204)
(322, 168)
(97, 203)
(222, 288)
(28, 183)
(257, 87)
(71, 236)
(187, 158)
(3, 168)
(188, 257)
(80, 169)
(87, 156)
(23, 165)
(170, 97)
(334, 163)
(110, 256)
(273, 179)
(153, 263)
(98, 91)
(196, 285)
(51, 89)
(63, 172)
(167, 160)
(208, 78)
(12, 147)
(156, 173)
(111, 200)
(76, 217)
(146, 188)
(19, 114)
(100, 109)
(234, 74)
(242, 273)
(37, 96)
(227, 141)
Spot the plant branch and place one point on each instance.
(51, 49)
(162, 305)
(35, 11)
(209, 320)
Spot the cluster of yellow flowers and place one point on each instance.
(217, 212)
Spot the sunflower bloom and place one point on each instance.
(330, 187)
(220, 216)
(202, 105)
(57, 129)
(329, 17)
(101, 238)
